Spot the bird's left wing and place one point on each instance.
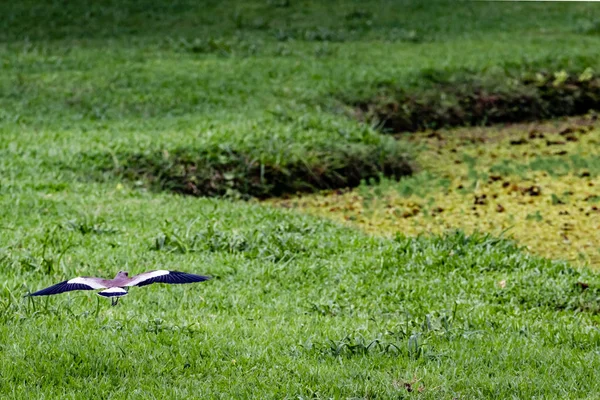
(79, 283)
(164, 276)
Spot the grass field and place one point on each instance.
(110, 112)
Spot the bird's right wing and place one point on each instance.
(79, 283)
(164, 276)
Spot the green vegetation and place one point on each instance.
(106, 109)
(460, 103)
(262, 87)
(536, 184)
(209, 169)
(298, 306)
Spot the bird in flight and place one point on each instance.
(115, 288)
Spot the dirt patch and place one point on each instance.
(536, 97)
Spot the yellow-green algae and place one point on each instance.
(537, 183)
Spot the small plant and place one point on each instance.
(91, 225)
(588, 27)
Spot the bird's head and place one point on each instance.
(122, 274)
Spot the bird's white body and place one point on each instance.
(113, 292)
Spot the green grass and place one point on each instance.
(189, 76)
(553, 165)
(463, 101)
(297, 301)
(298, 307)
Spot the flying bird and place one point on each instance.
(115, 288)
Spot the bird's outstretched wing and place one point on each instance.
(164, 276)
(79, 283)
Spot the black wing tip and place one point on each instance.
(188, 277)
(174, 278)
(202, 277)
(47, 291)
(59, 288)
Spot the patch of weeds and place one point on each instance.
(208, 239)
(556, 200)
(281, 242)
(553, 165)
(322, 34)
(324, 50)
(351, 346)
(158, 325)
(522, 281)
(536, 216)
(282, 50)
(202, 172)
(588, 27)
(224, 47)
(507, 168)
(90, 225)
(467, 102)
(327, 308)
(408, 338)
(317, 34)
(558, 287)
(243, 21)
(403, 35)
(47, 257)
(416, 185)
(593, 199)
